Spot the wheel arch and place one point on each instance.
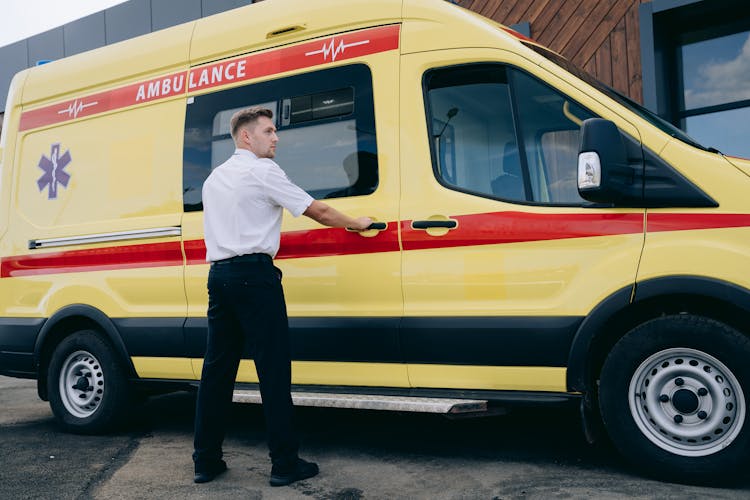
(66, 321)
(619, 313)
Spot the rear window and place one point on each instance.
(326, 129)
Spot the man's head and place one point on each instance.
(253, 129)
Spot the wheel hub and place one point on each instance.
(687, 402)
(81, 384)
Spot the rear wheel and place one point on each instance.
(673, 397)
(88, 390)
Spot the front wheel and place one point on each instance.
(673, 396)
(88, 390)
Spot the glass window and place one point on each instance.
(727, 131)
(715, 103)
(698, 70)
(326, 134)
(500, 133)
(716, 71)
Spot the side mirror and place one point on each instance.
(605, 171)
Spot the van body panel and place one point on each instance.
(8, 147)
(440, 25)
(718, 177)
(165, 368)
(329, 373)
(518, 264)
(226, 34)
(494, 378)
(506, 259)
(741, 163)
(137, 59)
(679, 242)
(73, 183)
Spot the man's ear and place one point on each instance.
(245, 135)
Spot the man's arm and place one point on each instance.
(329, 216)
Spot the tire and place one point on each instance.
(674, 395)
(88, 390)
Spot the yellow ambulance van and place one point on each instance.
(542, 239)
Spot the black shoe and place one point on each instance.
(302, 470)
(210, 473)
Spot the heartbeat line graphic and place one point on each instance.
(335, 50)
(76, 107)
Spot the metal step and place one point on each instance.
(373, 402)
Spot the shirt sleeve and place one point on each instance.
(284, 192)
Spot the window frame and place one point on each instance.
(358, 76)
(516, 131)
(666, 26)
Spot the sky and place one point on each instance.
(21, 19)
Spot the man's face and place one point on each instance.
(262, 138)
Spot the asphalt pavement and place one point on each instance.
(529, 454)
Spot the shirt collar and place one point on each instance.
(245, 152)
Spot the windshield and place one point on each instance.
(633, 106)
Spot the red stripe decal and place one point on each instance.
(513, 227)
(95, 259)
(195, 252)
(684, 222)
(472, 230)
(334, 48)
(329, 241)
(316, 243)
(137, 93)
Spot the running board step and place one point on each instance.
(373, 402)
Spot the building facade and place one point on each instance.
(686, 60)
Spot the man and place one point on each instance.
(243, 202)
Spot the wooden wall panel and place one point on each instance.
(600, 36)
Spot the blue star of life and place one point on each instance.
(54, 171)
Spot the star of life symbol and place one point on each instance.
(54, 171)
(76, 107)
(333, 49)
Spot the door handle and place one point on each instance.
(372, 230)
(428, 224)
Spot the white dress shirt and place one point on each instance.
(243, 202)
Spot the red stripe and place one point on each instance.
(94, 259)
(326, 50)
(513, 227)
(517, 34)
(330, 241)
(472, 230)
(334, 48)
(684, 222)
(195, 252)
(316, 243)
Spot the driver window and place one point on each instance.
(499, 133)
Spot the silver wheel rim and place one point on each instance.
(687, 402)
(81, 384)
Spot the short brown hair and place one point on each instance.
(247, 115)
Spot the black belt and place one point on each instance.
(250, 257)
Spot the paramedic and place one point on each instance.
(243, 201)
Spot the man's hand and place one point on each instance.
(329, 216)
(361, 224)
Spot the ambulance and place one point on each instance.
(540, 239)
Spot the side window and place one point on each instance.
(326, 129)
(500, 133)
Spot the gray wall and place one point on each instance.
(123, 21)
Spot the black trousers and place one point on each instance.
(246, 315)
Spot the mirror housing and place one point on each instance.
(610, 168)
